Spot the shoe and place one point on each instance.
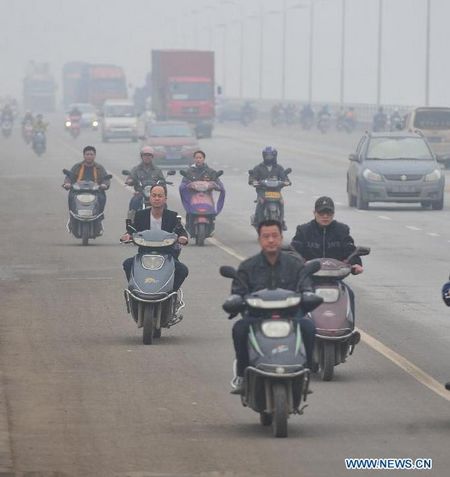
(179, 305)
(237, 385)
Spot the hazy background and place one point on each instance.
(124, 32)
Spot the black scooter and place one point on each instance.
(150, 297)
(85, 221)
(277, 379)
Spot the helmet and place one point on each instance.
(269, 155)
(147, 150)
(446, 293)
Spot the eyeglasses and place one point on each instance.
(325, 212)
(146, 155)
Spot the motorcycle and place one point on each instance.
(85, 217)
(201, 209)
(324, 122)
(276, 381)
(39, 142)
(270, 199)
(307, 122)
(6, 127)
(150, 298)
(396, 123)
(143, 188)
(27, 132)
(336, 337)
(73, 125)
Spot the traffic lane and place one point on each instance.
(89, 387)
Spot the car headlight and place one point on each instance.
(433, 176)
(94, 124)
(276, 329)
(68, 124)
(152, 262)
(372, 176)
(86, 199)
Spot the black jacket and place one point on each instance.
(204, 173)
(334, 241)
(169, 222)
(257, 273)
(261, 172)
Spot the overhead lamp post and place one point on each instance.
(380, 44)
(427, 55)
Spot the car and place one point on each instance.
(89, 118)
(119, 120)
(174, 142)
(395, 167)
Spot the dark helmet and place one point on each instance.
(446, 293)
(269, 155)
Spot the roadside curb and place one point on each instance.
(6, 461)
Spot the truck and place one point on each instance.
(183, 87)
(93, 83)
(39, 88)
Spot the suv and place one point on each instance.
(394, 167)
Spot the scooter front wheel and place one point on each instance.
(149, 324)
(85, 233)
(280, 410)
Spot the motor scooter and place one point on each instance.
(73, 125)
(85, 216)
(6, 127)
(149, 297)
(270, 199)
(324, 123)
(277, 379)
(27, 132)
(201, 208)
(336, 336)
(39, 142)
(143, 188)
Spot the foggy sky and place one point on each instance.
(124, 32)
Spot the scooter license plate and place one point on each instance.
(272, 195)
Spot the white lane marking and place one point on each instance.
(338, 203)
(411, 227)
(299, 191)
(235, 169)
(407, 366)
(84, 278)
(384, 217)
(433, 234)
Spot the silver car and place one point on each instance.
(394, 167)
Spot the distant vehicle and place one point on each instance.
(93, 83)
(183, 87)
(394, 167)
(435, 125)
(235, 110)
(119, 120)
(89, 118)
(39, 88)
(174, 142)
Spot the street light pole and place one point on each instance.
(311, 49)
(427, 55)
(241, 61)
(261, 47)
(380, 38)
(283, 54)
(343, 52)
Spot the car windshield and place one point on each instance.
(390, 148)
(85, 108)
(119, 111)
(432, 119)
(170, 130)
(191, 91)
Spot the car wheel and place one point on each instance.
(425, 204)
(361, 204)
(438, 204)
(351, 197)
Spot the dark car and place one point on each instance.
(394, 167)
(174, 142)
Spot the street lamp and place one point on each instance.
(380, 38)
(224, 55)
(344, 11)
(427, 55)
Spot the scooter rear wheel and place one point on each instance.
(327, 361)
(85, 234)
(280, 410)
(200, 235)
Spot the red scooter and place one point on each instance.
(336, 336)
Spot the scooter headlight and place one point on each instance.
(152, 262)
(68, 124)
(276, 329)
(86, 199)
(94, 124)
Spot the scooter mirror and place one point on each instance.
(310, 267)
(310, 301)
(109, 176)
(227, 271)
(183, 173)
(219, 173)
(361, 251)
(171, 172)
(250, 171)
(126, 172)
(288, 170)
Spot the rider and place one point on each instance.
(75, 115)
(379, 120)
(39, 125)
(145, 172)
(396, 120)
(159, 217)
(200, 171)
(325, 237)
(272, 268)
(27, 118)
(7, 114)
(88, 170)
(267, 169)
(324, 111)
